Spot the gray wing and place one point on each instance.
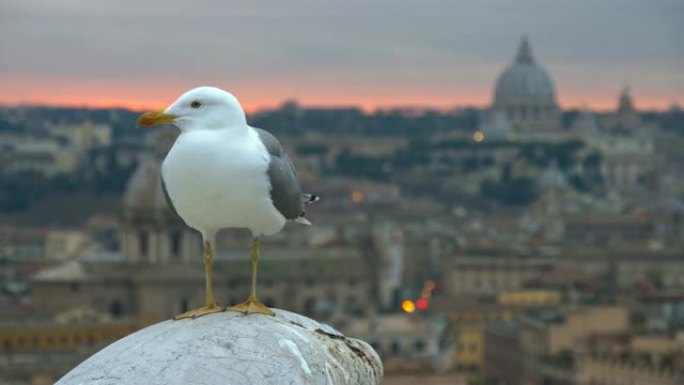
(286, 193)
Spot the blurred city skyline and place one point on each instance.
(436, 54)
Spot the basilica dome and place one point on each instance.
(524, 78)
(525, 93)
(144, 190)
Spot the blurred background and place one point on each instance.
(502, 183)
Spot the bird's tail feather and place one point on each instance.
(308, 199)
(311, 198)
(303, 221)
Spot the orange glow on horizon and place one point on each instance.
(142, 95)
(365, 105)
(104, 103)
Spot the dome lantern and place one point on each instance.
(524, 55)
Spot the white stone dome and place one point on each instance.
(144, 191)
(526, 95)
(229, 348)
(524, 79)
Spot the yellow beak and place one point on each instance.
(155, 118)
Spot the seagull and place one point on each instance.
(222, 173)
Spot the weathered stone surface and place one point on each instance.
(229, 348)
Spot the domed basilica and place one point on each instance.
(525, 96)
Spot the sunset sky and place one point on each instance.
(142, 54)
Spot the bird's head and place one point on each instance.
(199, 108)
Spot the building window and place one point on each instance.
(396, 347)
(144, 241)
(419, 346)
(175, 244)
(115, 309)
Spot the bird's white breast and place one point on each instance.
(218, 179)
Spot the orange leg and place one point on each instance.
(252, 304)
(210, 305)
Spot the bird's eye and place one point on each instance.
(195, 104)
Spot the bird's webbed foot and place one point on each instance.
(200, 311)
(252, 305)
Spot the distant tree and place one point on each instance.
(417, 154)
(579, 183)
(8, 127)
(312, 149)
(514, 192)
(362, 166)
(592, 170)
(542, 153)
(21, 190)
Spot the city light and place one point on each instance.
(478, 136)
(422, 304)
(357, 196)
(430, 285)
(408, 306)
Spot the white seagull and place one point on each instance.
(222, 173)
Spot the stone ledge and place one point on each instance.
(230, 348)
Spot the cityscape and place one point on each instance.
(517, 243)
